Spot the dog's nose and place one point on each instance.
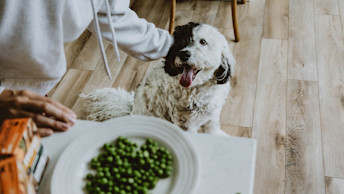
(184, 55)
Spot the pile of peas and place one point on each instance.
(122, 167)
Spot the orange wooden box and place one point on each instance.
(19, 139)
(13, 177)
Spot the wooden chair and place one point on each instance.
(234, 18)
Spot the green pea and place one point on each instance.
(109, 158)
(103, 181)
(130, 180)
(100, 173)
(115, 170)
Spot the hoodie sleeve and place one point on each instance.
(136, 36)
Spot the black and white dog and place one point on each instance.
(189, 89)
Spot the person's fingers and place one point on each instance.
(32, 102)
(62, 107)
(46, 122)
(35, 96)
(44, 132)
(49, 110)
(41, 120)
(48, 114)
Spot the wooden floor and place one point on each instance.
(288, 91)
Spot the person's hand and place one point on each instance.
(48, 114)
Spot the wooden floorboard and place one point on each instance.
(276, 19)
(237, 131)
(68, 90)
(131, 74)
(269, 124)
(238, 110)
(328, 7)
(89, 55)
(302, 64)
(341, 11)
(205, 12)
(304, 156)
(224, 16)
(72, 49)
(334, 185)
(330, 57)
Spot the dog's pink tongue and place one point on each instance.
(186, 78)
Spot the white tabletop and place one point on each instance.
(227, 164)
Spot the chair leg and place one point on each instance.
(235, 20)
(172, 15)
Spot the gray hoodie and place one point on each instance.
(33, 32)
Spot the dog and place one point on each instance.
(188, 89)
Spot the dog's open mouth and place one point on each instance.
(188, 76)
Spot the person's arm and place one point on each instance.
(48, 114)
(136, 36)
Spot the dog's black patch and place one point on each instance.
(182, 38)
(222, 76)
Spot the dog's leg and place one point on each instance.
(214, 128)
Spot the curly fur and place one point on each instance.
(191, 87)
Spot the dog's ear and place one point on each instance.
(226, 69)
(182, 37)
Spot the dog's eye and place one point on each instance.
(203, 42)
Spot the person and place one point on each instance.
(32, 60)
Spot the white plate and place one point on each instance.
(72, 166)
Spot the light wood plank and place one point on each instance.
(70, 86)
(237, 131)
(160, 13)
(330, 57)
(183, 17)
(334, 185)
(72, 49)
(205, 12)
(328, 7)
(341, 11)
(187, 5)
(142, 8)
(276, 19)
(269, 125)
(238, 110)
(100, 78)
(90, 54)
(224, 16)
(304, 168)
(302, 51)
(131, 74)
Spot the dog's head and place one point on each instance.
(199, 54)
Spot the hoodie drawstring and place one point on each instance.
(114, 42)
(99, 38)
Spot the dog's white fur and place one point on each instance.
(193, 108)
